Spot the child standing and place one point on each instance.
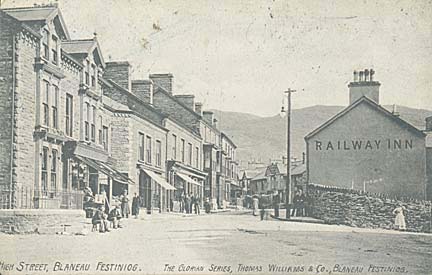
(400, 218)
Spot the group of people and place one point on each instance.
(124, 203)
(101, 219)
(189, 203)
(101, 213)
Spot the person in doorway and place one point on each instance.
(135, 205)
(400, 217)
(125, 204)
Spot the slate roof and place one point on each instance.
(78, 46)
(32, 13)
(376, 106)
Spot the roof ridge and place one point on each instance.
(79, 40)
(29, 8)
(355, 104)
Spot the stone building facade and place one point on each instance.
(72, 121)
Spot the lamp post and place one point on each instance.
(288, 200)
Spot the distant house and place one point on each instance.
(246, 177)
(276, 174)
(259, 184)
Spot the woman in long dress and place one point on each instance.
(400, 218)
(135, 206)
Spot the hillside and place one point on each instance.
(264, 138)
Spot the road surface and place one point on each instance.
(223, 243)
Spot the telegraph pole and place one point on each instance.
(288, 199)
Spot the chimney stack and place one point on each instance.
(429, 124)
(119, 72)
(163, 80)
(364, 85)
(208, 116)
(188, 100)
(143, 89)
(198, 108)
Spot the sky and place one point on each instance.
(241, 55)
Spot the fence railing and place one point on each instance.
(29, 198)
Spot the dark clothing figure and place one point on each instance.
(171, 205)
(135, 206)
(207, 206)
(188, 204)
(125, 206)
(196, 205)
(276, 201)
(88, 202)
(114, 216)
(261, 205)
(100, 217)
(299, 201)
(182, 204)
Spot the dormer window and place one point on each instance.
(87, 73)
(54, 50)
(45, 48)
(93, 75)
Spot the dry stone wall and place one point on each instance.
(359, 209)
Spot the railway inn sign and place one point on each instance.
(358, 144)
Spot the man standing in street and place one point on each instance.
(276, 201)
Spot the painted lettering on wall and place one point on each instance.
(365, 144)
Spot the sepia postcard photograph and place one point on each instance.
(216, 137)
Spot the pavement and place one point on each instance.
(232, 242)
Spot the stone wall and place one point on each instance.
(355, 208)
(37, 220)
(6, 88)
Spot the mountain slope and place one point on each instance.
(264, 138)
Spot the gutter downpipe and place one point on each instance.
(13, 121)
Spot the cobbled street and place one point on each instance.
(222, 243)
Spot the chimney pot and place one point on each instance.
(371, 73)
(366, 73)
(365, 86)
